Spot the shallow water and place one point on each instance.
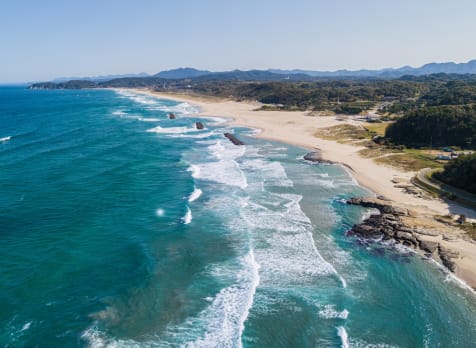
(120, 227)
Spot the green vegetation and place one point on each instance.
(451, 93)
(460, 172)
(409, 161)
(377, 128)
(396, 156)
(73, 84)
(344, 133)
(436, 126)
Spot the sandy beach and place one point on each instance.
(299, 128)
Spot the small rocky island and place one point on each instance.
(234, 139)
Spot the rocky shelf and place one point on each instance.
(315, 156)
(388, 225)
(234, 139)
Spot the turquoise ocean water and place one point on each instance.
(122, 228)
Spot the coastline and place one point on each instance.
(298, 128)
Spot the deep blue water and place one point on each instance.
(122, 228)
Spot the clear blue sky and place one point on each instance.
(44, 39)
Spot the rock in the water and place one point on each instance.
(314, 156)
(199, 125)
(234, 139)
(171, 116)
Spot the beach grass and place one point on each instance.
(408, 161)
(400, 158)
(343, 133)
(377, 128)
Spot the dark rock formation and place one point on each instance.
(389, 225)
(446, 256)
(427, 245)
(315, 156)
(199, 125)
(234, 139)
(383, 206)
(171, 116)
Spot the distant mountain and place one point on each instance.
(182, 73)
(427, 69)
(247, 75)
(73, 84)
(251, 75)
(99, 78)
(180, 76)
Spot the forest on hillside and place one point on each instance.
(436, 126)
(460, 172)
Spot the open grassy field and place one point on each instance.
(401, 158)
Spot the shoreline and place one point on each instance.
(298, 128)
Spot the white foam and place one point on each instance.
(329, 312)
(284, 246)
(342, 333)
(195, 195)
(226, 315)
(160, 212)
(187, 218)
(194, 136)
(139, 98)
(225, 170)
(272, 172)
(171, 130)
(451, 277)
(5, 139)
(342, 280)
(222, 172)
(195, 169)
(26, 326)
(119, 113)
(185, 108)
(369, 212)
(226, 150)
(326, 183)
(149, 119)
(216, 121)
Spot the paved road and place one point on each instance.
(461, 196)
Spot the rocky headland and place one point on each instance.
(411, 229)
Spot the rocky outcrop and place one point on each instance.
(315, 156)
(382, 205)
(171, 116)
(447, 256)
(428, 246)
(234, 139)
(388, 225)
(199, 125)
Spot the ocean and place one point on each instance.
(122, 228)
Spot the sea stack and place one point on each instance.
(199, 125)
(171, 116)
(234, 139)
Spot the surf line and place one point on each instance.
(187, 218)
